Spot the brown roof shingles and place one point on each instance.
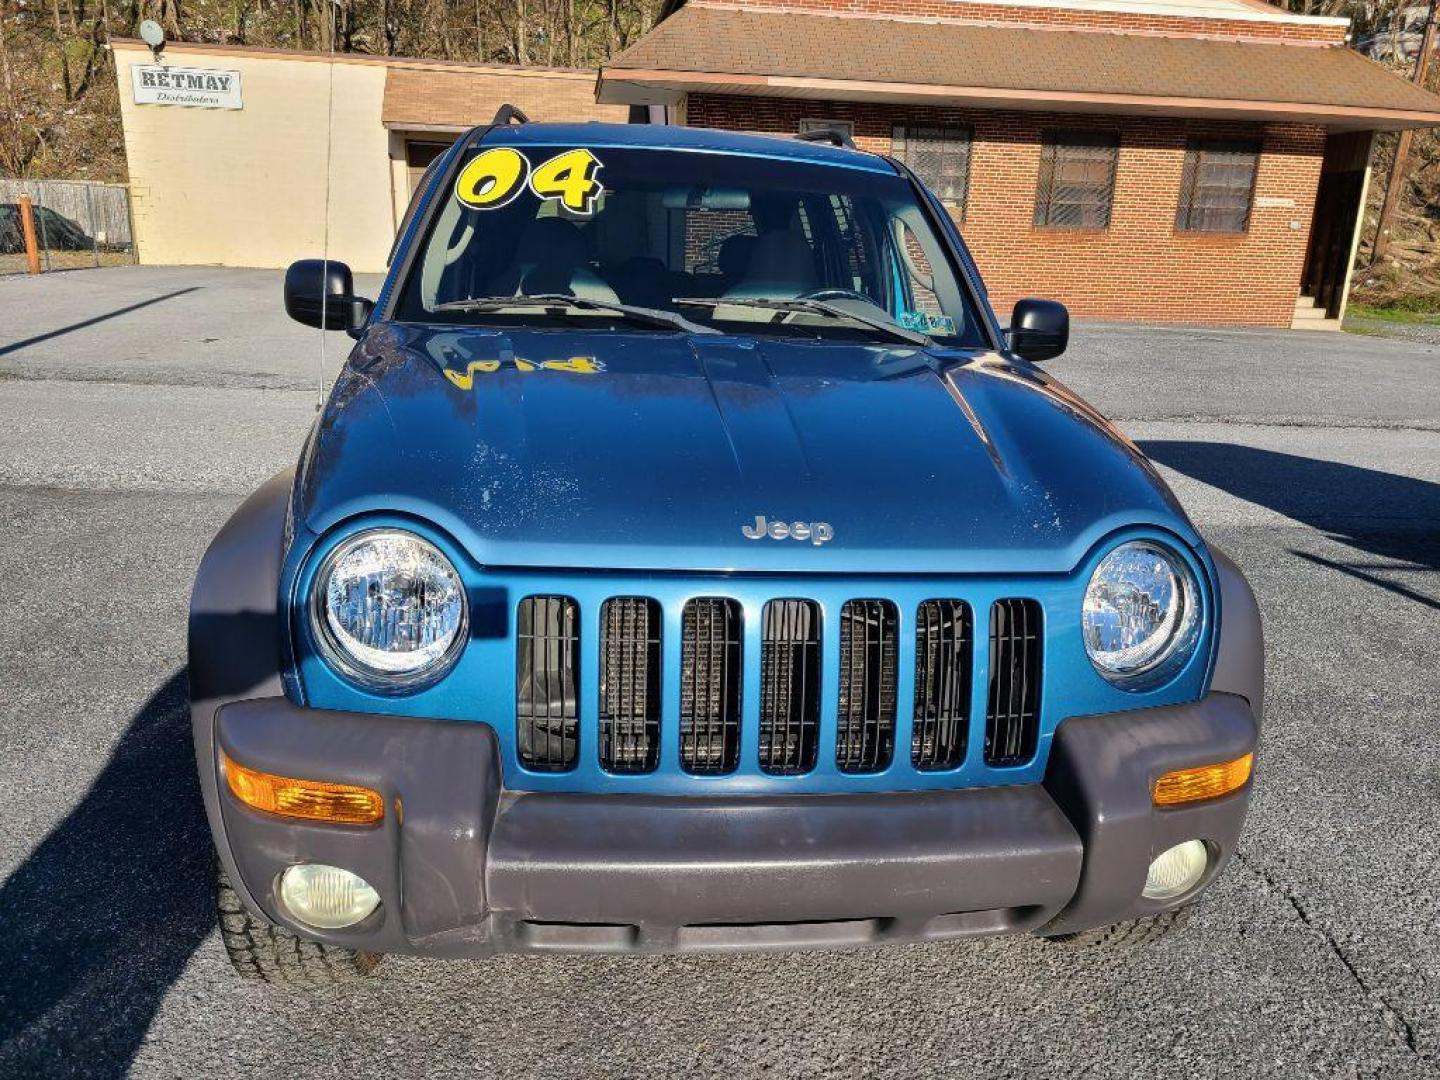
(877, 50)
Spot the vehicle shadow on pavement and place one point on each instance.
(103, 916)
(25, 343)
(1386, 515)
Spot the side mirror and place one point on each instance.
(321, 293)
(1039, 330)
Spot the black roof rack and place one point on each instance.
(833, 135)
(508, 114)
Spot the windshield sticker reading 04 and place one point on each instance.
(493, 178)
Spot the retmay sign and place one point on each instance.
(200, 88)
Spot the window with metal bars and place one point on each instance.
(1217, 185)
(865, 735)
(1077, 179)
(547, 678)
(629, 684)
(1012, 715)
(943, 654)
(710, 670)
(940, 156)
(789, 686)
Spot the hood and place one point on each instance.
(656, 451)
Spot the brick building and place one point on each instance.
(1194, 161)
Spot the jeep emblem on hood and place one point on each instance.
(817, 532)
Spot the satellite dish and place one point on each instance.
(152, 35)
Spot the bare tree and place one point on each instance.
(59, 114)
(60, 42)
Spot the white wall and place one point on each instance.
(247, 187)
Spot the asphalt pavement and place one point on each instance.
(138, 406)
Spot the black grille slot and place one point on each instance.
(865, 736)
(789, 686)
(629, 684)
(942, 684)
(1012, 715)
(547, 676)
(710, 670)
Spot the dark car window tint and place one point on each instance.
(672, 225)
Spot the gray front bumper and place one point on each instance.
(466, 868)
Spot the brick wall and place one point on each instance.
(1138, 268)
(1070, 18)
(453, 95)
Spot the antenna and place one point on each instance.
(325, 234)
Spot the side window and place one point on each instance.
(940, 156)
(919, 277)
(1217, 185)
(1077, 179)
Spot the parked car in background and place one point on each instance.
(51, 231)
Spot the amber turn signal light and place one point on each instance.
(313, 800)
(1204, 782)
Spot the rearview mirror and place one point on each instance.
(321, 293)
(1039, 330)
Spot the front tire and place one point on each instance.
(258, 949)
(1130, 934)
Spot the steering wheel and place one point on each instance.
(836, 294)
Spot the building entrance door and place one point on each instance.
(1337, 213)
(419, 155)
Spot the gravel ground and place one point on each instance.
(139, 405)
(1423, 333)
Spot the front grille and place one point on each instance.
(710, 670)
(789, 686)
(942, 684)
(780, 729)
(629, 684)
(1012, 715)
(546, 681)
(865, 735)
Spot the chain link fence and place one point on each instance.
(77, 224)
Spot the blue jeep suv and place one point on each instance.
(686, 559)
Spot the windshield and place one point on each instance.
(730, 243)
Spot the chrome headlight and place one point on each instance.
(389, 610)
(1142, 612)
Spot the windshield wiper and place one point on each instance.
(561, 304)
(809, 307)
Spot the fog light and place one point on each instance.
(1177, 870)
(327, 897)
